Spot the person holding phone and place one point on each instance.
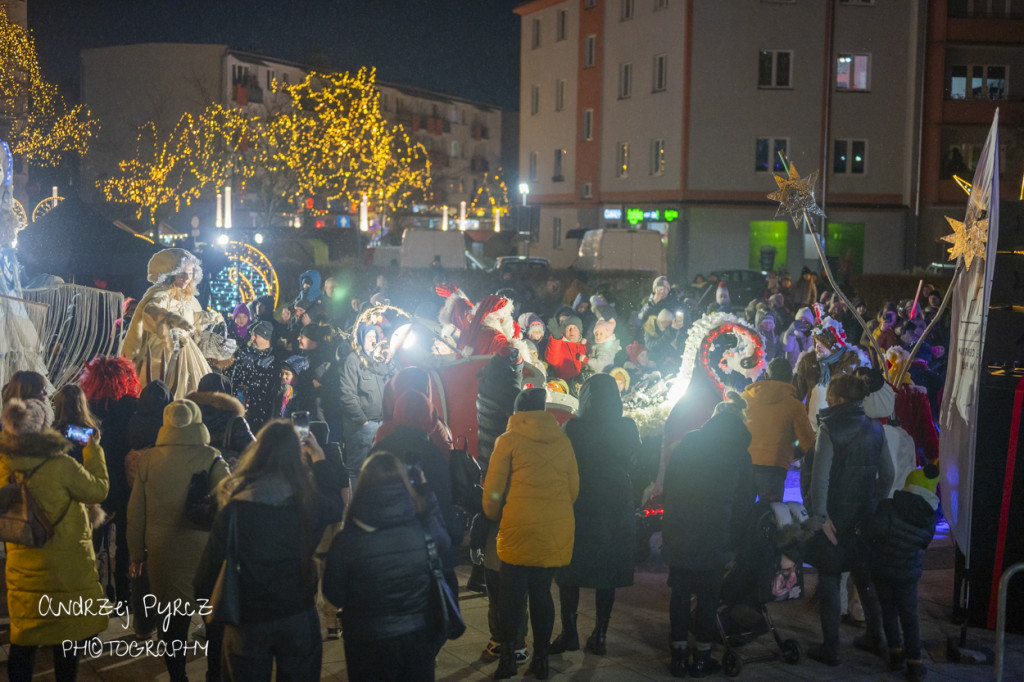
(73, 418)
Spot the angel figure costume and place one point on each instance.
(161, 339)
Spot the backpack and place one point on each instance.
(22, 520)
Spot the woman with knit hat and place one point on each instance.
(159, 536)
(64, 569)
(161, 339)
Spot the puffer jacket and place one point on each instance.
(64, 569)
(500, 383)
(224, 418)
(776, 419)
(900, 531)
(532, 482)
(852, 468)
(378, 572)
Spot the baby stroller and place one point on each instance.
(767, 568)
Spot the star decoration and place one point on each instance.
(968, 239)
(795, 194)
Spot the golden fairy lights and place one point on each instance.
(330, 141)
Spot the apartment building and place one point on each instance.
(669, 115)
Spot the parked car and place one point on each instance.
(744, 286)
(519, 267)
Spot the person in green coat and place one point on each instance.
(41, 581)
(603, 550)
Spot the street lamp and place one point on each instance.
(524, 190)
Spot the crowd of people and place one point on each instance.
(321, 437)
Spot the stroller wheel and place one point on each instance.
(732, 664)
(791, 651)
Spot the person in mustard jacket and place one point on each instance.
(41, 580)
(531, 484)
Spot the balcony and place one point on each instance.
(438, 159)
(995, 30)
(479, 164)
(950, 192)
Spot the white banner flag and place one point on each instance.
(958, 416)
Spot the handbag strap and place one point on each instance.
(432, 555)
(24, 484)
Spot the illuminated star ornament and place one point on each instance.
(795, 194)
(969, 239)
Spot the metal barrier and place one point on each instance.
(1001, 617)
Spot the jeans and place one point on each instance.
(22, 661)
(604, 598)
(405, 657)
(516, 583)
(293, 643)
(899, 610)
(706, 585)
(494, 610)
(769, 482)
(358, 441)
(828, 597)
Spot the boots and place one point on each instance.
(678, 665)
(506, 662)
(703, 664)
(538, 667)
(596, 641)
(477, 579)
(568, 639)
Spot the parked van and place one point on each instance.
(420, 246)
(620, 249)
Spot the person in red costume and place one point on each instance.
(913, 409)
(484, 329)
(414, 379)
(567, 355)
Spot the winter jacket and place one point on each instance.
(602, 355)
(776, 420)
(604, 443)
(900, 531)
(708, 489)
(362, 389)
(915, 415)
(565, 358)
(378, 572)
(256, 377)
(852, 468)
(533, 474)
(64, 569)
(313, 295)
(157, 531)
(278, 576)
(500, 383)
(114, 417)
(414, 378)
(144, 425)
(224, 418)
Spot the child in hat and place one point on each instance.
(901, 529)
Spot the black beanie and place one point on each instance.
(314, 332)
(263, 330)
(531, 400)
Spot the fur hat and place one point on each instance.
(733, 404)
(171, 262)
(620, 374)
(25, 416)
(924, 481)
(183, 425)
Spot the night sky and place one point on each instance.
(463, 47)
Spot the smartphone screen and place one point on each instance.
(301, 422)
(79, 434)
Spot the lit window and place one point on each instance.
(657, 156)
(853, 72)
(559, 94)
(534, 99)
(588, 124)
(850, 157)
(533, 166)
(660, 4)
(563, 17)
(556, 233)
(625, 80)
(535, 35)
(773, 68)
(766, 154)
(984, 82)
(559, 161)
(622, 161)
(589, 51)
(626, 10)
(660, 72)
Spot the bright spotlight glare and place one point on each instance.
(222, 240)
(258, 238)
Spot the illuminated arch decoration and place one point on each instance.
(746, 357)
(45, 206)
(248, 276)
(19, 213)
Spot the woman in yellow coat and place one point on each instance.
(44, 582)
(532, 482)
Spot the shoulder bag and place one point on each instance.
(444, 606)
(226, 598)
(201, 499)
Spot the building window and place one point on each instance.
(534, 99)
(862, 3)
(851, 157)
(535, 35)
(588, 124)
(587, 190)
(626, 10)
(455, 149)
(622, 161)
(385, 102)
(589, 51)
(660, 72)
(773, 68)
(559, 160)
(559, 94)
(660, 4)
(625, 80)
(556, 233)
(590, 4)
(563, 18)
(853, 72)
(766, 155)
(657, 156)
(976, 81)
(533, 166)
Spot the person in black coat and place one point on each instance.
(708, 484)
(410, 441)
(363, 377)
(378, 573)
(281, 498)
(224, 417)
(255, 376)
(603, 549)
(900, 531)
(144, 425)
(501, 380)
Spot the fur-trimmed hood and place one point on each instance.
(221, 402)
(25, 451)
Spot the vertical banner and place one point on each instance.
(958, 416)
